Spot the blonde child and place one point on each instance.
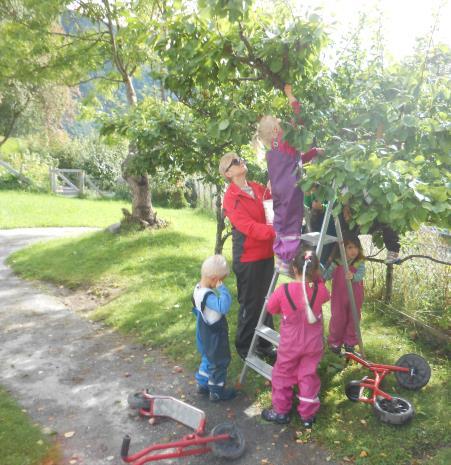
(284, 163)
(301, 341)
(212, 301)
(341, 325)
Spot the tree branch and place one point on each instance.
(409, 257)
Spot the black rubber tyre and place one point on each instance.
(397, 411)
(352, 390)
(231, 449)
(420, 372)
(138, 401)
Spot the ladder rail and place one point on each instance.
(261, 319)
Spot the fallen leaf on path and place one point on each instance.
(69, 434)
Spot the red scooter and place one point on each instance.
(225, 439)
(411, 372)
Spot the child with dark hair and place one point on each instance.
(341, 325)
(301, 341)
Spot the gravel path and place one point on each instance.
(73, 376)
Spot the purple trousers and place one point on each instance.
(288, 202)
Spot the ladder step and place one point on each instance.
(269, 334)
(259, 366)
(313, 238)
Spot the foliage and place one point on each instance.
(387, 138)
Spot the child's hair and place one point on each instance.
(356, 241)
(224, 163)
(214, 267)
(312, 268)
(267, 129)
(306, 263)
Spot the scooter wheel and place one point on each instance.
(138, 401)
(352, 390)
(420, 372)
(231, 448)
(395, 412)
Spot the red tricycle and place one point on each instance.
(411, 372)
(225, 439)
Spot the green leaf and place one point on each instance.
(224, 124)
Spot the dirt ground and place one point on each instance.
(73, 377)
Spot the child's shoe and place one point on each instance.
(218, 393)
(202, 390)
(308, 423)
(392, 258)
(270, 414)
(349, 348)
(335, 349)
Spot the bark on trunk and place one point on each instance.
(220, 223)
(388, 284)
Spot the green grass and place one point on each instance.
(156, 271)
(21, 442)
(20, 209)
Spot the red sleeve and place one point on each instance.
(310, 155)
(242, 221)
(274, 306)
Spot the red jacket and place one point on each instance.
(252, 237)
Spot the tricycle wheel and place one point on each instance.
(395, 412)
(352, 390)
(138, 401)
(419, 374)
(231, 448)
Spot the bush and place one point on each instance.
(167, 192)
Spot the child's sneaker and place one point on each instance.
(349, 348)
(202, 390)
(392, 258)
(335, 349)
(270, 414)
(218, 393)
(308, 423)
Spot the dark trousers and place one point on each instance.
(389, 235)
(252, 280)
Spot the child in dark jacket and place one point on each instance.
(212, 331)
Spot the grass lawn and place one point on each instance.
(21, 442)
(26, 209)
(156, 271)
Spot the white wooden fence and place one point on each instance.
(206, 195)
(61, 184)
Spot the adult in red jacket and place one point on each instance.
(252, 246)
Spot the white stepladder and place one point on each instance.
(269, 334)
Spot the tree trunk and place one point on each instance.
(220, 223)
(388, 284)
(139, 183)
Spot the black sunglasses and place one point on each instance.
(235, 162)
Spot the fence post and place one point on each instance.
(82, 182)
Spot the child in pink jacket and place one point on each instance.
(341, 324)
(301, 341)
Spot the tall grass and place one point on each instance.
(421, 287)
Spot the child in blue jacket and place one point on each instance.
(212, 301)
